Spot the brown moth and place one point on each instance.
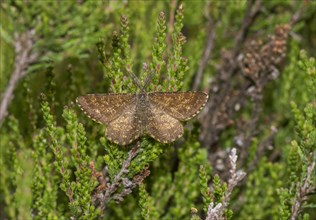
(129, 116)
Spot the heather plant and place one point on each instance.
(250, 154)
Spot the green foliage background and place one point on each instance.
(47, 144)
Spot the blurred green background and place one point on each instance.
(54, 51)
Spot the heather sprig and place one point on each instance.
(185, 186)
(177, 65)
(205, 190)
(44, 184)
(258, 183)
(159, 48)
(79, 191)
(54, 133)
(118, 65)
(302, 152)
(10, 169)
(114, 157)
(147, 204)
(149, 152)
(219, 195)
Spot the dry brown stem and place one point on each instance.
(222, 96)
(24, 56)
(208, 48)
(303, 189)
(172, 8)
(109, 191)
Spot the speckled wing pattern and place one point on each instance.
(163, 127)
(128, 116)
(168, 109)
(126, 128)
(104, 108)
(180, 105)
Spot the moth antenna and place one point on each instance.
(148, 79)
(135, 79)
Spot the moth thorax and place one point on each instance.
(142, 101)
(142, 108)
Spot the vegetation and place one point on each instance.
(250, 154)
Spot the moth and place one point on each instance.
(129, 116)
